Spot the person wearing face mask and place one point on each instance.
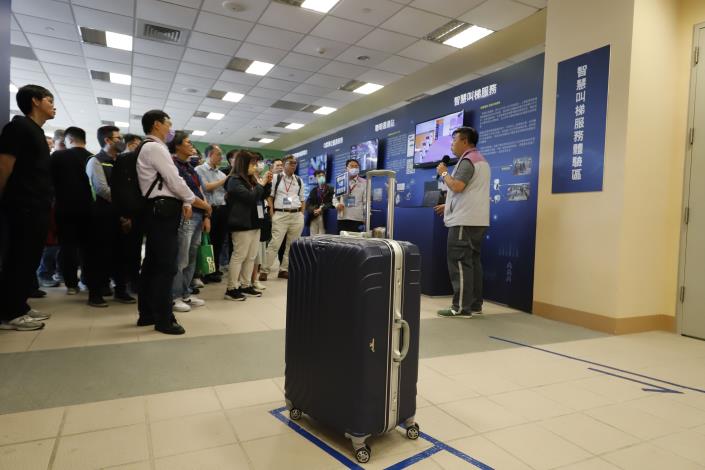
(214, 188)
(351, 205)
(320, 199)
(111, 228)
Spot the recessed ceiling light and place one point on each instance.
(121, 103)
(294, 126)
(118, 41)
(468, 36)
(322, 6)
(266, 141)
(189, 90)
(233, 97)
(13, 88)
(199, 133)
(120, 78)
(259, 68)
(368, 88)
(233, 6)
(122, 124)
(215, 116)
(325, 110)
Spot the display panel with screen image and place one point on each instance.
(366, 154)
(317, 163)
(433, 139)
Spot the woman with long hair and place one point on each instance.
(245, 196)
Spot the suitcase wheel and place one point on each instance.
(295, 414)
(412, 432)
(363, 454)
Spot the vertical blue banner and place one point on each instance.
(581, 117)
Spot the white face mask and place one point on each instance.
(353, 172)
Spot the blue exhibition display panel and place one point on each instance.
(505, 108)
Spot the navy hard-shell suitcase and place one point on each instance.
(352, 332)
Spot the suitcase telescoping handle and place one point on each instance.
(391, 196)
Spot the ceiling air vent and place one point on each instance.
(22, 52)
(102, 76)
(238, 64)
(290, 105)
(281, 124)
(447, 31)
(161, 33)
(200, 114)
(107, 101)
(216, 94)
(351, 85)
(272, 133)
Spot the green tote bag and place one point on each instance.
(205, 263)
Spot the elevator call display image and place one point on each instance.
(433, 138)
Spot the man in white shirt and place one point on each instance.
(214, 185)
(286, 206)
(351, 205)
(168, 199)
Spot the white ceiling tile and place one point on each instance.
(58, 58)
(200, 83)
(152, 74)
(343, 96)
(188, 3)
(58, 11)
(25, 64)
(123, 7)
(341, 30)
(218, 106)
(289, 17)
(286, 73)
(497, 14)
(303, 62)
(374, 57)
(222, 26)
(46, 27)
(13, 24)
(312, 90)
(427, 51)
(379, 77)
(103, 20)
(276, 84)
(111, 90)
(17, 37)
(64, 80)
(372, 12)
(208, 42)
(54, 44)
(147, 82)
(150, 61)
(65, 71)
(166, 13)
(199, 70)
(342, 69)
(274, 112)
(149, 92)
(183, 98)
(206, 58)
(106, 66)
(233, 76)
(274, 37)
(251, 9)
(267, 93)
(414, 22)
(401, 65)
(73, 89)
(261, 53)
(450, 8)
(22, 76)
(141, 105)
(320, 47)
(536, 3)
(159, 49)
(386, 41)
(107, 53)
(328, 81)
(234, 87)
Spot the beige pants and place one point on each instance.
(317, 227)
(242, 261)
(289, 224)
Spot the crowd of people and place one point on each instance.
(127, 222)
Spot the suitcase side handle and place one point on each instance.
(391, 176)
(406, 338)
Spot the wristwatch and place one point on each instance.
(444, 174)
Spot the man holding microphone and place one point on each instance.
(466, 213)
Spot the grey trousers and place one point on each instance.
(465, 267)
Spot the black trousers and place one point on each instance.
(349, 225)
(465, 266)
(132, 246)
(109, 251)
(26, 234)
(159, 268)
(74, 231)
(219, 230)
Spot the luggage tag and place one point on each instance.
(350, 201)
(260, 211)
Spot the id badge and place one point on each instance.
(260, 212)
(350, 201)
(287, 201)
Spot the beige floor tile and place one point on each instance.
(103, 415)
(287, 451)
(588, 433)
(530, 404)
(700, 429)
(102, 448)
(382, 462)
(439, 424)
(191, 433)
(486, 383)
(421, 402)
(16, 341)
(537, 447)
(688, 444)
(183, 403)
(482, 414)
(482, 450)
(615, 389)
(573, 396)
(27, 456)
(438, 388)
(30, 425)
(248, 393)
(230, 457)
(146, 465)
(634, 421)
(671, 410)
(243, 323)
(279, 381)
(71, 338)
(591, 464)
(256, 422)
(649, 457)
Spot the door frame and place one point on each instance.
(687, 167)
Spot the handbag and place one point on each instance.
(205, 262)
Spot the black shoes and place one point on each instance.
(172, 329)
(97, 301)
(145, 321)
(213, 278)
(251, 291)
(38, 294)
(234, 294)
(124, 298)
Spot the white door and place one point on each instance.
(693, 260)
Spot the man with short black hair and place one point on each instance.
(132, 141)
(351, 205)
(214, 182)
(25, 200)
(466, 213)
(168, 200)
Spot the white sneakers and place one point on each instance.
(23, 323)
(37, 315)
(258, 285)
(185, 305)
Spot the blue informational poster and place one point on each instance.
(581, 119)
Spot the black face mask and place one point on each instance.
(119, 146)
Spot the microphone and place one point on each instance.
(445, 160)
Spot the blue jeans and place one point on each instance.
(189, 240)
(48, 266)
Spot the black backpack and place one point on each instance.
(125, 190)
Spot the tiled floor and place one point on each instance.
(509, 408)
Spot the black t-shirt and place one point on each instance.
(72, 188)
(29, 185)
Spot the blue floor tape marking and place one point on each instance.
(437, 447)
(657, 388)
(597, 364)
